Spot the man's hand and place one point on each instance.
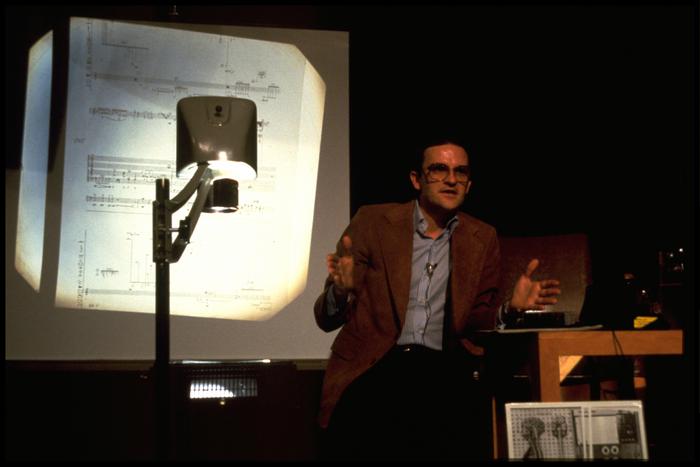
(533, 295)
(341, 268)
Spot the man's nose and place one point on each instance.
(451, 177)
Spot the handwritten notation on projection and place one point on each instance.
(124, 84)
(106, 170)
(180, 88)
(96, 287)
(120, 115)
(235, 80)
(109, 201)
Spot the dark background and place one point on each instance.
(578, 117)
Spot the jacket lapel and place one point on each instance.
(396, 240)
(466, 251)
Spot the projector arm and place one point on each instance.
(164, 249)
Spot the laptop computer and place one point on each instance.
(606, 305)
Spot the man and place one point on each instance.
(409, 284)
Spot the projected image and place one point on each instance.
(545, 433)
(614, 435)
(124, 84)
(576, 430)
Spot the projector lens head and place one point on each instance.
(223, 196)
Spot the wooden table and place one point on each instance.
(551, 345)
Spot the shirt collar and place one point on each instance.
(420, 224)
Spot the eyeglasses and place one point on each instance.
(439, 172)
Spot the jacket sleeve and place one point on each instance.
(325, 318)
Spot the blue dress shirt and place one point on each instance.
(430, 272)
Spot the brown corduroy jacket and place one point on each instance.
(382, 246)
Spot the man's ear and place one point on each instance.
(469, 185)
(415, 180)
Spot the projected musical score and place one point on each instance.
(124, 84)
(181, 89)
(104, 170)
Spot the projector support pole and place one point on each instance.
(162, 242)
(162, 364)
(165, 251)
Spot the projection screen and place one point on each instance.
(245, 287)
